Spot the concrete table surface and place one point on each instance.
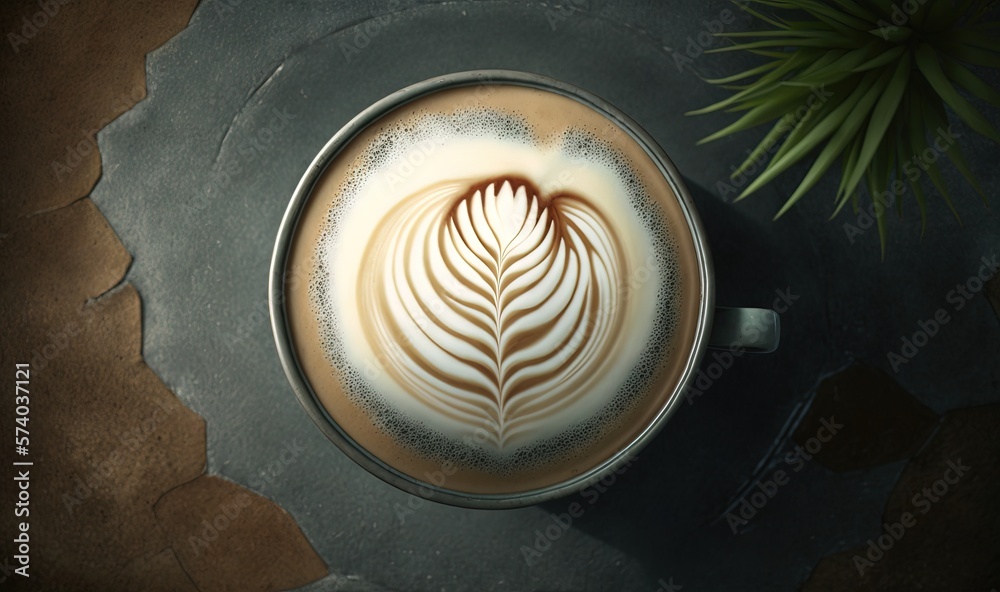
(197, 177)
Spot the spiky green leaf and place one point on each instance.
(970, 82)
(745, 74)
(829, 124)
(881, 116)
(927, 61)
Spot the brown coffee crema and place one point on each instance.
(502, 288)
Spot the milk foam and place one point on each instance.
(491, 288)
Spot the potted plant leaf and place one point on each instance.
(889, 72)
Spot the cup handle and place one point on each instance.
(755, 330)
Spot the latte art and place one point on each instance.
(497, 307)
(499, 281)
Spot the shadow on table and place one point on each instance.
(664, 508)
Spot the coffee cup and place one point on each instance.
(491, 289)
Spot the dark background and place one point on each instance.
(194, 190)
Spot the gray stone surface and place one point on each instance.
(195, 188)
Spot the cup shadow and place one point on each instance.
(659, 508)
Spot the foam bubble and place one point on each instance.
(429, 147)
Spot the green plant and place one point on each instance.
(889, 70)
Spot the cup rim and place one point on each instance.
(303, 389)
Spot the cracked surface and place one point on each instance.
(92, 55)
(881, 422)
(950, 542)
(203, 244)
(654, 523)
(210, 522)
(109, 440)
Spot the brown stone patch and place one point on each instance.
(79, 70)
(881, 422)
(159, 572)
(211, 521)
(107, 437)
(941, 524)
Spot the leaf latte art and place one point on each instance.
(494, 306)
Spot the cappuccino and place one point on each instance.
(499, 281)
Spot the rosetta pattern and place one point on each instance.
(492, 305)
